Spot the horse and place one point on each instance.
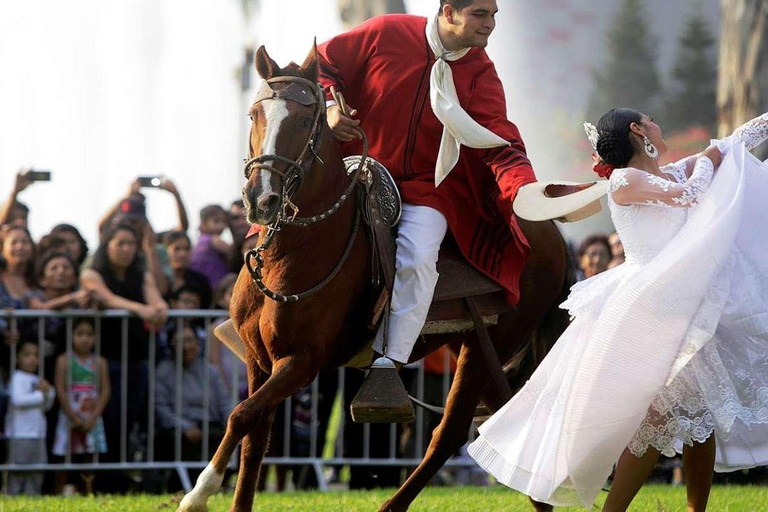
(326, 262)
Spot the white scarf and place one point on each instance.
(459, 127)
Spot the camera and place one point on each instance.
(38, 175)
(150, 181)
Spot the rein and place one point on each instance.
(293, 177)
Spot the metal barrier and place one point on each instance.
(146, 454)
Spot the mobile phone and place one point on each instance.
(150, 181)
(36, 175)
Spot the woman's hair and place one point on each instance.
(594, 239)
(50, 256)
(68, 228)
(614, 145)
(174, 236)
(29, 273)
(101, 263)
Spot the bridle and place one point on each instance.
(305, 92)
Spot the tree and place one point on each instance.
(692, 100)
(742, 86)
(354, 12)
(630, 77)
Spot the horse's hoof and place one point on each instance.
(191, 504)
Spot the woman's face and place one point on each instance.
(190, 346)
(59, 275)
(617, 248)
(121, 250)
(595, 259)
(653, 132)
(178, 252)
(72, 244)
(17, 247)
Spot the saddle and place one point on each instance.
(381, 207)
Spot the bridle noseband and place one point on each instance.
(304, 92)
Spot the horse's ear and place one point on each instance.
(310, 67)
(266, 67)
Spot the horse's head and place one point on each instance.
(287, 116)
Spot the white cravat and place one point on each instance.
(458, 127)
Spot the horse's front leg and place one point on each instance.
(289, 375)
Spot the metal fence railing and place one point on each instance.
(132, 415)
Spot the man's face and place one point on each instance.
(473, 24)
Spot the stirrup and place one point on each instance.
(382, 397)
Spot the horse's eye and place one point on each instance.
(306, 122)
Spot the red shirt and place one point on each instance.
(383, 67)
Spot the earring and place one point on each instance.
(650, 150)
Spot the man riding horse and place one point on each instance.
(421, 89)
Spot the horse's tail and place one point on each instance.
(523, 363)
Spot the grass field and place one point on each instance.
(459, 499)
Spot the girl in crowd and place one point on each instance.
(25, 424)
(82, 384)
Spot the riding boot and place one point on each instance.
(382, 397)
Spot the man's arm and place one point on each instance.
(510, 164)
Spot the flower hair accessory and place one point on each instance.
(602, 169)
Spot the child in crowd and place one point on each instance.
(82, 383)
(211, 254)
(25, 424)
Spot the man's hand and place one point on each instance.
(344, 128)
(713, 154)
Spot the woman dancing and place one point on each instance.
(667, 352)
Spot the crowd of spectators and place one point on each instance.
(134, 269)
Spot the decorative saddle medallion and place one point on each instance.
(379, 182)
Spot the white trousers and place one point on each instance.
(419, 234)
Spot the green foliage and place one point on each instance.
(692, 99)
(630, 76)
(453, 499)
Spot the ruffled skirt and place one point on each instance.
(612, 381)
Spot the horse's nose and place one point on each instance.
(267, 202)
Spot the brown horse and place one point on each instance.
(288, 343)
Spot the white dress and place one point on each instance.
(665, 349)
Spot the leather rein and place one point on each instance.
(304, 92)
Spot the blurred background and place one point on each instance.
(100, 92)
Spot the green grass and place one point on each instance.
(458, 499)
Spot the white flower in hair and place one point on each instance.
(592, 134)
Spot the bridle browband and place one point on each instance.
(307, 93)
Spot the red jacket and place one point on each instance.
(383, 67)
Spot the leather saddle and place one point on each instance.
(381, 205)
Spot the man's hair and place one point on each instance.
(456, 4)
(210, 211)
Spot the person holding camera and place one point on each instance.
(14, 212)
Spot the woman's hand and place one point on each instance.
(344, 128)
(82, 298)
(713, 154)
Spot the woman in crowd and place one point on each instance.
(179, 249)
(17, 284)
(594, 256)
(118, 279)
(194, 373)
(74, 243)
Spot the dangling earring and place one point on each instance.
(650, 149)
